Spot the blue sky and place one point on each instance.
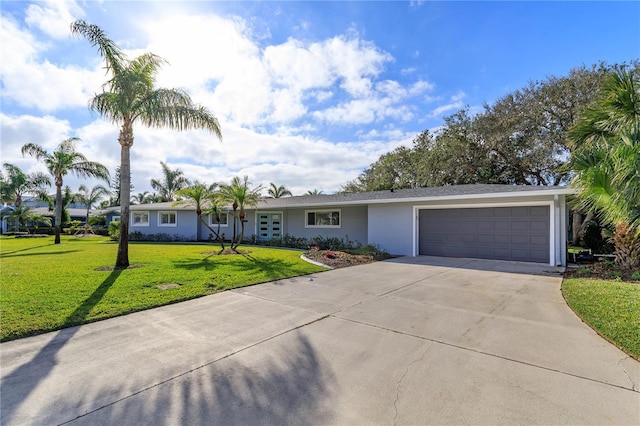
(308, 94)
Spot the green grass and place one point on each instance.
(612, 308)
(45, 287)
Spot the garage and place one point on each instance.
(520, 233)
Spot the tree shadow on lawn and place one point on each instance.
(18, 385)
(269, 269)
(48, 253)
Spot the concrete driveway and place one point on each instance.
(407, 341)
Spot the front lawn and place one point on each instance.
(610, 307)
(46, 287)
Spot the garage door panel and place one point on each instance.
(540, 240)
(505, 233)
(542, 211)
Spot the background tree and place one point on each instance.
(239, 194)
(314, 192)
(522, 138)
(170, 182)
(276, 191)
(606, 160)
(140, 198)
(68, 197)
(129, 97)
(63, 160)
(16, 184)
(115, 185)
(89, 197)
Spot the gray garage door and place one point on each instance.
(504, 233)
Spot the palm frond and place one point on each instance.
(114, 58)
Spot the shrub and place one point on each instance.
(98, 220)
(592, 238)
(114, 230)
(325, 243)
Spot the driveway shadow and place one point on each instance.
(16, 387)
(271, 384)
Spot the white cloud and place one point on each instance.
(455, 103)
(273, 101)
(53, 17)
(31, 81)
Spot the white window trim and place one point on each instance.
(306, 218)
(212, 222)
(167, 225)
(140, 224)
(115, 218)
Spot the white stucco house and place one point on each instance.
(506, 222)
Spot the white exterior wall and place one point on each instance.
(390, 227)
(185, 224)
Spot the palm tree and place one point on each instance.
(606, 162)
(171, 182)
(278, 191)
(239, 194)
(140, 198)
(68, 197)
(129, 97)
(16, 184)
(200, 194)
(216, 213)
(314, 192)
(89, 197)
(65, 159)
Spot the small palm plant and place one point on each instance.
(201, 195)
(239, 194)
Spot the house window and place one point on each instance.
(224, 219)
(115, 219)
(167, 219)
(322, 219)
(140, 219)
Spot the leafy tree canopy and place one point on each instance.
(522, 138)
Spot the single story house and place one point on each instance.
(505, 222)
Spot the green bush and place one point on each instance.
(593, 239)
(98, 220)
(114, 231)
(324, 243)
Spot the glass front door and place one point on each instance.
(269, 226)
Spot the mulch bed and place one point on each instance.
(603, 270)
(338, 259)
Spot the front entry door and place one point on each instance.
(269, 226)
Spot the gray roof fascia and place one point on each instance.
(417, 199)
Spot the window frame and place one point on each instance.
(140, 224)
(306, 218)
(168, 224)
(212, 222)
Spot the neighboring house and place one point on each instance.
(519, 223)
(77, 210)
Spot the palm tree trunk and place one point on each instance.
(199, 226)
(122, 259)
(58, 227)
(627, 244)
(217, 234)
